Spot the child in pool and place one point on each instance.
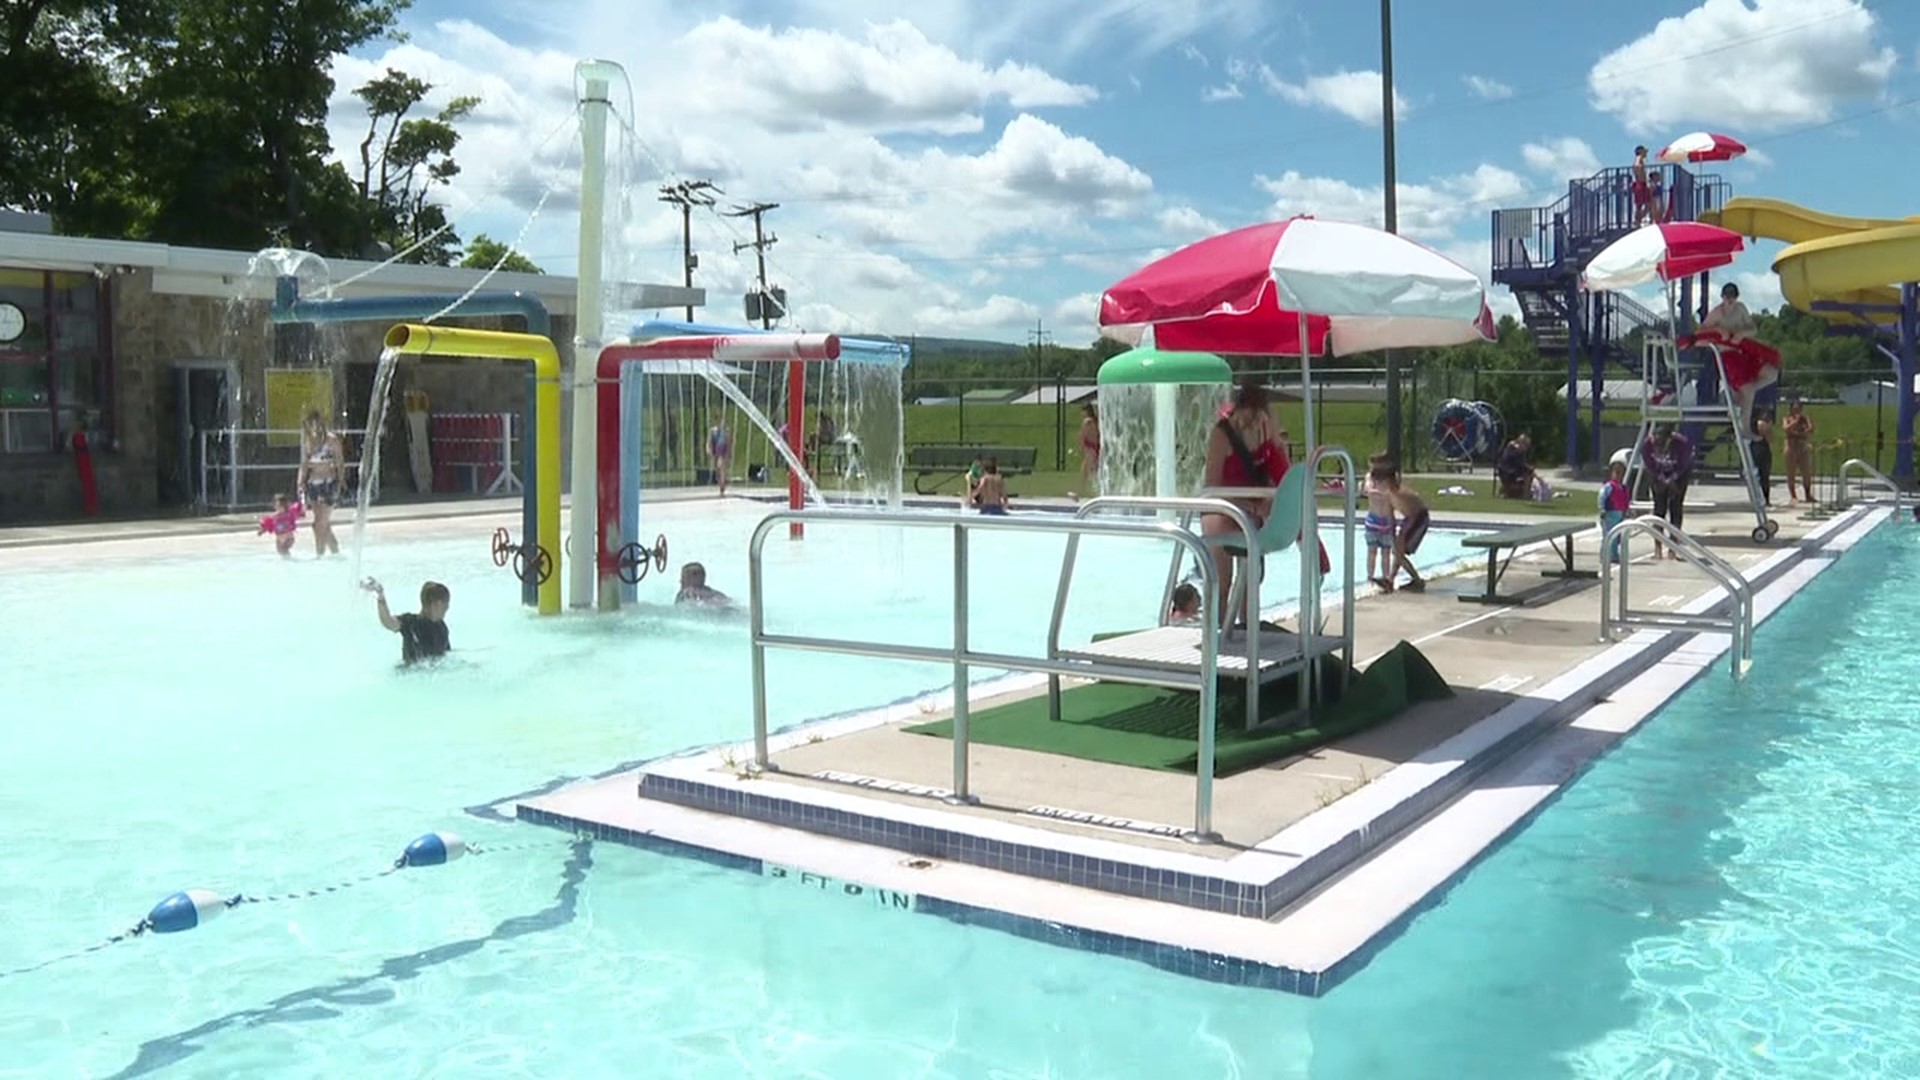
(1614, 502)
(1186, 605)
(282, 523)
(423, 636)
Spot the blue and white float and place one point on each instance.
(433, 849)
(185, 910)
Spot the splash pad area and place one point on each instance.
(276, 749)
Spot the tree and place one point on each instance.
(63, 121)
(484, 252)
(415, 156)
(237, 149)
(198, 122)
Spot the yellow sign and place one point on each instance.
(290, 393)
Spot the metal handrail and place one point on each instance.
(960, 654)
(1187, 506)
(1869, 476)
(1349, 478)
(233, 467)
(1738, 623)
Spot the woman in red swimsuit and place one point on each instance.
(1244, 451)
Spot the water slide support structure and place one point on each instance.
(596, 77)
(289, 307)
(542, 499)
(614, 388)
(1846, 269)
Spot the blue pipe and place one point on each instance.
(288, 307)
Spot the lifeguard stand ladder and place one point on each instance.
(1661, 366)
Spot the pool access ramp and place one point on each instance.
(1320, 855)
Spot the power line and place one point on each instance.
(762, 240)
(687, 194)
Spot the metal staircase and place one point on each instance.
(1539, 252)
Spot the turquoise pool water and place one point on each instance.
(201, 714)
(1731, 892)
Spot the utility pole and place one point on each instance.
(1037, 338)
(761, 242)
(1395, 422)
(686, 195)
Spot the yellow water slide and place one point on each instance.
(1844, 260)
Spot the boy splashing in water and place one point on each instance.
(423, 636)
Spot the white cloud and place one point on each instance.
(895, 213)
(1765, 67)
(993, 315)
(1487, 89)
(1191, 52)
(1227, 92)
(1425, 212)
(1184, 224)
(1353, 94)
(1105, 28)
(1076, 319)
(1760, 290)
(1562, 158)
(893, 80)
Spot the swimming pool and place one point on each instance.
(200, 713)
(1728, 893)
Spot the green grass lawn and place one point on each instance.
(1840, 432)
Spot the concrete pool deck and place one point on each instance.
(1321, 855)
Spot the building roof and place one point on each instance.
(1046, 395)
(191, 271)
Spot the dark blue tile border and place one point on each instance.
(1205, 892)
(1175, 959)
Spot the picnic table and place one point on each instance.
(1506, 542)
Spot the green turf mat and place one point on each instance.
(1152, 728)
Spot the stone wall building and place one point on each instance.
(164, 362)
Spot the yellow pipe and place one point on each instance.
(417, 340)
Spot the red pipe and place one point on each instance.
(89, 487)
(793, 349)
(796, 426)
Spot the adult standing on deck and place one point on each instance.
(321, 479)
(1089, 443)
(1669, 460)
(1799, 431)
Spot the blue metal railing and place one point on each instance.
(1595, 211)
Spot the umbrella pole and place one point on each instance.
(1306, 382)
(1309, 544)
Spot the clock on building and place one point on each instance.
(13, 322)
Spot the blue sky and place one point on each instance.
(947, 167)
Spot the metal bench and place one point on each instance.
(951, 460)
(1560, 534)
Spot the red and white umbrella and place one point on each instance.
(1300, 286)
(1701, 146)
(1665, 251)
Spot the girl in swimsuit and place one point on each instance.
(720, 452)
(322, 467)
(1799, 429)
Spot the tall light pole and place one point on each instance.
(1395, 422)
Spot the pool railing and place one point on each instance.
(962, 656)
(1616, 613)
